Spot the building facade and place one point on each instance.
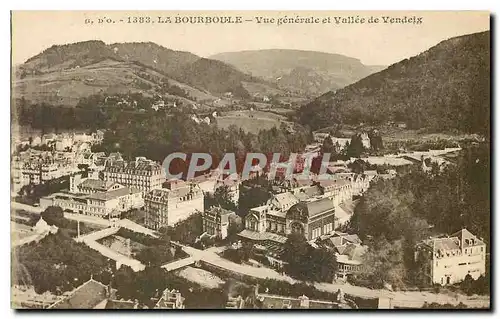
(37, 167)
(109, 203)
(216, 221)
(448, 260)
(141, 174)
(165, 207)
(311, 218)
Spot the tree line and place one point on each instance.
(393, 215)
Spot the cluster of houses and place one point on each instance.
(95, 295)
(64, 152)
(37, 167)
(315, 208)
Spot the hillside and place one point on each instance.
(108, 76)
(444, 88)
(64, 73)
(308, 71)
(216, 76)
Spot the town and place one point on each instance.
(237, 162)
(261, 234)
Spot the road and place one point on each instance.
(411, 299)
(399, 299)
(125, 223)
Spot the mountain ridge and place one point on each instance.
(312, 72)
(444, 87)
(180, 66)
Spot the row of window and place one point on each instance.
(275, 227)
(317, 232)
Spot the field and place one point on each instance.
(201, 277)
(250, 121)
(400, 134)
(108, 76)
(261, 88)
(119, 244)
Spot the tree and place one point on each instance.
(54, 215)
(222, 198)
(155, 255)
(355, 148)
(235, 226)
(328, 146)
(383, 263)
(324, 265)
(467, 285)
(296, 254)
(375, 140)
(57, 263)
(306, 262)
(188, 230)
(253, 193)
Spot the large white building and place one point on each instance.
(106, 199)
(447, 260)
(167, 206)
(142, 173)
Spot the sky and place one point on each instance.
(372, 43)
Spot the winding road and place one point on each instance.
(404, 299)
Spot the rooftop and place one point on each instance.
(314, 206)
(96, 184)
(112, 194)
(253, 235)
(458, 240)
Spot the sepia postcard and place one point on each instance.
(250, 160)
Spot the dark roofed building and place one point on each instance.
(312, 218)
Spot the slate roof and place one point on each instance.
(286, 198)
(113, 193)
(448, 243)
(96, 184)
(467, 239)
(308, 192)
(253, 235)
(316, 207)
(333, 183)
(458, 240)
(138, 167)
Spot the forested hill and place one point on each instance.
(76, 70)
(444, 88)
